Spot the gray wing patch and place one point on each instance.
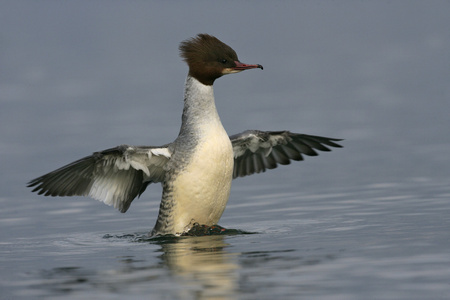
(256, 151)
(114, 176)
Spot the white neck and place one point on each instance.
(199, 106)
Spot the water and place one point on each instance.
(369, 221)
(386, 241)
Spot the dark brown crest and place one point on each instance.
(207, 56)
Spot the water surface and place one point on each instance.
(369, 221)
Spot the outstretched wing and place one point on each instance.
(114, 176)
(255, 151)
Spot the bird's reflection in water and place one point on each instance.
(202, 266)
(188, 268)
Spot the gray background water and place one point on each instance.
(370, 221)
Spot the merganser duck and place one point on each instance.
(197, 168)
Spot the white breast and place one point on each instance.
(201, 190)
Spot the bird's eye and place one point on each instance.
(224, 61)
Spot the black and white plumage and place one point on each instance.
(256, 151)
(118, 175)
(114, 176)
(196, 169)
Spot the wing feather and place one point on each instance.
(255, 151)
(114, 176)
